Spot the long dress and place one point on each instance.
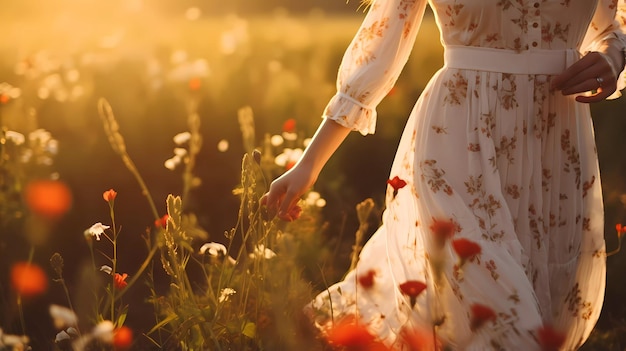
(490, 157)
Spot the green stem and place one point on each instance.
(130, 165)
(20, 310)
(142, 268)
(114, 261)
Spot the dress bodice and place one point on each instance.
(514, 24)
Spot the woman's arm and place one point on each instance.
(369, 69)
(286, 190)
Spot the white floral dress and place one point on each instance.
(490, 150)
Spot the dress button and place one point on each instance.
(535, 25)
(534, 44)
(536, 5)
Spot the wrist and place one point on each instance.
(614, 51)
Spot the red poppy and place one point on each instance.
(466, 249)
(119, 280)
(367, 280)
(109, 195)
(396, 183)
(352, 335)
(550, 339)
(48, 198)
(161, 222)
(123, 338)
(289, 126)
(412, 288)
(480, 315)
(195, 84)
(28, 279)
(442, 231)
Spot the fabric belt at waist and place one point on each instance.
(550, 62)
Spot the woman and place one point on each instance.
(496, 211)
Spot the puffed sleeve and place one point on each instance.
(608, 23)
(373, 61)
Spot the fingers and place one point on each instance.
(289, 202)
(281, 203)
(601, 95)
(592, 73)
(572, 75)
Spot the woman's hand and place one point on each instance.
(594, 72)
(286, 190)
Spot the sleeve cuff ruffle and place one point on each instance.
(351, 113)
(621, 76)
(621, 85)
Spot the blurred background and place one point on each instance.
(150, 58)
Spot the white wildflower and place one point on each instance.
(225, 294)
(172, 163)
(214, 249)
(262, 252)
(223, 145)
(96, 230)
(62, 317)
(40, 136)
(315, 199)
(288, 157)
(180, 152)
(106, 269)
(290, 136)
(13, 342)
(62, 335)
(52, 146)
(276, 140)
(15, 137)
(104, 331)
(182, 138)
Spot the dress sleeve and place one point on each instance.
(608, 23)
(373, 61)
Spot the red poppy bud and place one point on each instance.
(289, 126)
(480, 315)
(28, 279)
(119, 280)
(349, 333)
(123, 338)
(161, 222)
(412, 288)
(50, 199)
(465, 249)
(367, 280)
(109, 195)
(442, 231)
(550, 339)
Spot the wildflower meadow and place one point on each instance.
(136, 143)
